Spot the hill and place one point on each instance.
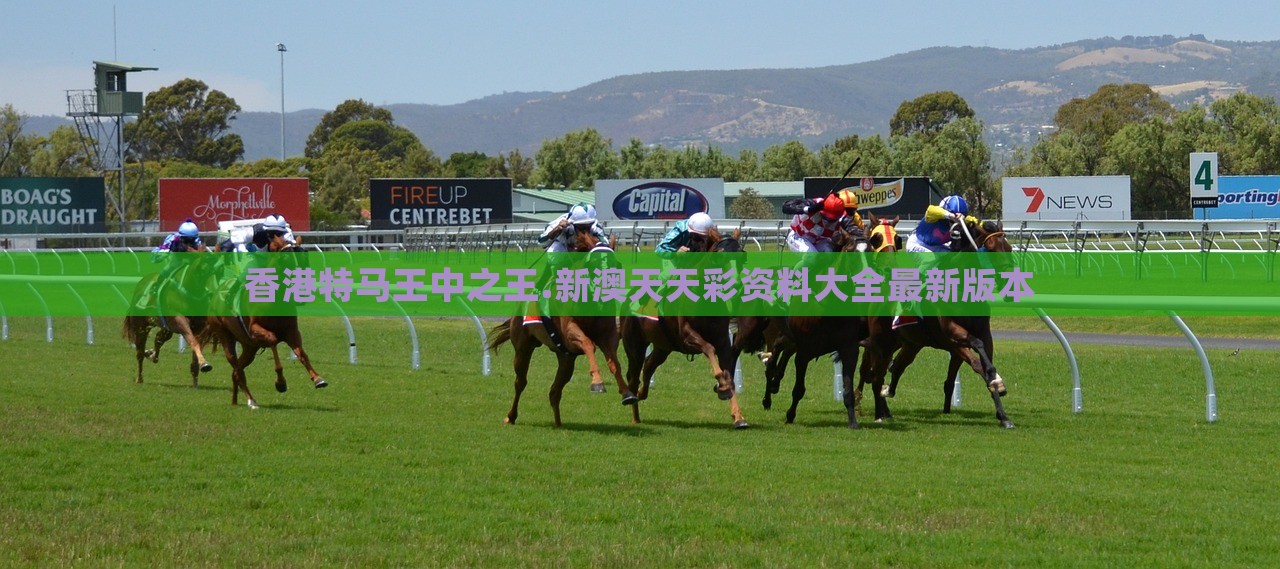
(1015, 92)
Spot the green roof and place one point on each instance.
(564, 196)
(118, 66)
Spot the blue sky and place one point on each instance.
(451, 51)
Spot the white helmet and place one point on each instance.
(699, 223)
(275, 223)
(580, 214)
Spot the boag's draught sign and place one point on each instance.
(52, 205)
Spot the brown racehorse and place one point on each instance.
(580, 335)
(966, 338)
(707, 335)
(809, 337)
(253, 333)
(174, 298)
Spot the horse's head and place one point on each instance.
(883, 236)
(988, 236)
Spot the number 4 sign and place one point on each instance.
(1204, 179)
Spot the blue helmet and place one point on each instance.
(188, 229)
(955, 204)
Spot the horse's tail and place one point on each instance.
(128, 331)
(500, 335)
(206, 336)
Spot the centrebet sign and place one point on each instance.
(1066, 198)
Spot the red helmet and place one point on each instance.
(833, 207)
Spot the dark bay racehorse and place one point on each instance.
(966, 338)
(706, 335)
(580, 335)
(253, 333)
(810, 337)
(176, 300)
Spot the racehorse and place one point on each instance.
(706, 335)
(580, 335)
(174, 307)
(809, 337)
(966, 338)
(254, 333)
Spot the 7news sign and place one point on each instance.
(1066, 198)
(1204, 179)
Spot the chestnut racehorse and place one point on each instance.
(174, 305)
(580, 335)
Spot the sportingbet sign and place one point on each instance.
(1066, 198)
(1204, 179)
(659, 199)
(1247, 197)
(52, 205)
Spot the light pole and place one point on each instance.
(280, 48)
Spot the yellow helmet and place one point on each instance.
(850, 198)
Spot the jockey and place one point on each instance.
(686, 235)
(186, 238)
(559, 237)
(816, 221)
(933, 234)
(561, 232)
(852, 221)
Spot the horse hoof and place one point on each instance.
(252, 404)
(206, 368)
(741, 424)
(630, 399)
(768, 405)
(282, 387)
(854, 426)
(321, 384)
(1007, 424)
(597, 388)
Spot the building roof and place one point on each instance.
(559, 195)
(118, 66)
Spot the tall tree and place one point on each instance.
(751, 205)
(350, 110)
(187, 121)
(390, 142)
(1098, 117)
(15, 148)
(927, 114)
(1251, 128)
(576, 160)
(788, 161)
(61, 154)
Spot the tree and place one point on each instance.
(576, 160)
(62, 154)
(751, 205)
(340, 181)
(518, 167)
(350, 110)
(187, 121)
(927, 114)
(388, 141)
(1098, 117)
(15, 148)
(1251, 127)
(472, 165)
(959, 160)
(788, 161)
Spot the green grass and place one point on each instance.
(392, 467)
(1205, 326)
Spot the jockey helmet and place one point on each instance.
(955, 204)
(850, 198)
(275, 223)
(700, 223)
(188, 229)
(832, 207)
(579, 214)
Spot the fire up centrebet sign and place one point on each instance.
(398, 203)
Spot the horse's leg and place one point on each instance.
(242, 363)
(898, 366)
(651, 363)
(195, 371)
(162, 335)
(281, 385)
(995, 385)
(634, 344)
(183, 324)
(597, 381)
(949, 386)
(564, 373)
(229, 350)
(523, 346)
(609, 347)
(293, 337)
(798, 390)
(724, 383)
(848, 362)
(775, 369)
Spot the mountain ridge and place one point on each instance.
(1014, 92)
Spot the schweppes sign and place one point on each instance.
(905, 196)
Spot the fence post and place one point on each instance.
(48, 318)
(1211, 393)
